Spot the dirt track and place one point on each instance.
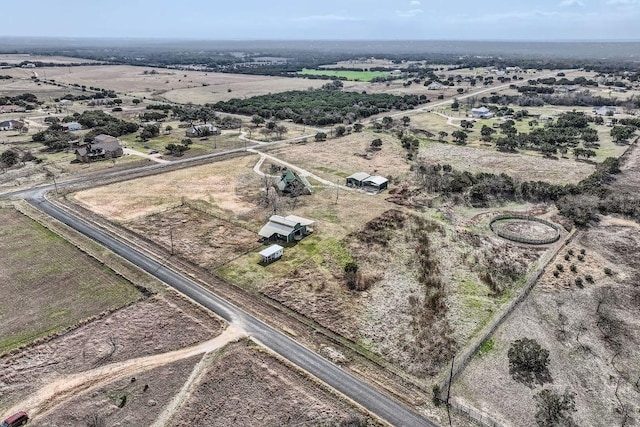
(58, 391)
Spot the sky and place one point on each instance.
(326, 19)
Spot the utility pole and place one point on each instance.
(337, 190)
(171, 238)
(55, 184)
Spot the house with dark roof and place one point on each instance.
(481, 113)
(292, 184)
(11, 125)
(288, 229)
(102, 147)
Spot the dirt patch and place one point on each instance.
(146, 398)
(629, 177)
(248, 386)
(591, 331)
(154, 326)
(55, 284)
(202, 238)
(212, 183)
(520, 228)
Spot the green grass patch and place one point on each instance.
(486, 347)
(356, 76)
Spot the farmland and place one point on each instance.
(57, 285)
(358, 76)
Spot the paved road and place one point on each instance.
(376, 402)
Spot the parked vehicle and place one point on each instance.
(17, 419)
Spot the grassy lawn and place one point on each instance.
(358, 76)
(48, 285)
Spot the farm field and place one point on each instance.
(64, 60)
(360, 76)
(173, 85)
(56, 285)
(590, 330)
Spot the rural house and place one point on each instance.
(287, 228)
(71, 126)
(102, 147)
(481, 113)
(605, 111)
(368, 182)
(12, 109)
(435, 86)
(65, 102)
(271, 254)
(293, 185)
(202, 130)
(11, 125)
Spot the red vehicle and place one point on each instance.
(18, 419)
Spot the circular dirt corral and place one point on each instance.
(525, 229)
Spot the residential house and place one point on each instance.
(481, 113)
(293, 185)
(12, 109)
(289, 228)
(605, 111)
(270, 254)
(71, 126)
(102, 147)
(435, 86)
(11, 125)
(202, 130)
(65, 102)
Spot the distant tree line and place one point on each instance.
(318, 107)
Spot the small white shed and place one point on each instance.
(271, 254)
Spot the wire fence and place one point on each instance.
(520, 238)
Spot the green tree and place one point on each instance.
(466, 124)
(406, 120)
(320, 136)
(442, 135)
(455, 105)
(9, 158)
(149, 131)
(555, 410)
(340, 130)
(357, 127)
(459, 136)
(387, 122)
(528, 362)
(376, 144)
(486, 133)
(257, 120)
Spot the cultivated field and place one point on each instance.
(590, 329)
(48, 284)
(360, 76)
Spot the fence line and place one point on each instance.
(463, 360)
(521, 239)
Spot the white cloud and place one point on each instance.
(570, 3)
(326, 18)
(623, 2)
(415, 3)
(409, 13)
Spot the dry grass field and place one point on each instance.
(174, 85)
(157, 325)
(244, 385)
(591, 331)
(48, 285)
(63, 60)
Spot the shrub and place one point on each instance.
(528, 362)
(559, 267)
(607, 271)
(570, 252)
(556, 273)
(578, 282)
(580, 257)
(573, 268)
(567, 257)
(588, 278)
(582, 251)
